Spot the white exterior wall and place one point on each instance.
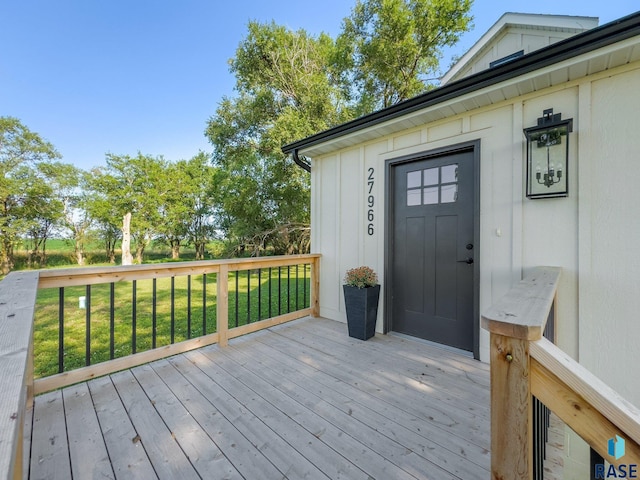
(590, 234)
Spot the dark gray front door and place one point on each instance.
(433, 251)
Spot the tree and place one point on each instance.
(201, 176)
(389, 49)
(133, 188)
(20, 151)
(187, 207)
(73, 194)
(104, 213)
(291, 84)
(285, 93)
(41, 210)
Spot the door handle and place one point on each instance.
(468, 261)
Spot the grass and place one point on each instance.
(245, 296)
(60, 254)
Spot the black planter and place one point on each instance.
(362, 310)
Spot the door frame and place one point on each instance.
(470, 146)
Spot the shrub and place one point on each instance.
(361, 277)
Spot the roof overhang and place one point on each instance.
(602, 48)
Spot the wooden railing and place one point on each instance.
(18, 293)
(524, 365)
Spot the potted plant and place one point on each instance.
(361, 293)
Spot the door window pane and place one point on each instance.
(430, 195)
(413, 197)
(413, 179)
(449, 173)
(431, 176)
(449, 193)
(433, 185)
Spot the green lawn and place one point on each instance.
(187, 313)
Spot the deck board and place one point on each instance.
(347, 451)
(50, 457)
(87, 450)
(435, 417)
(283, 456)
(165, 454)
(300, 400)
(411, 432)
(204, 454)
(397, 444)
(243, 454)
(128, 457)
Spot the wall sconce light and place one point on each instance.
(548, 156)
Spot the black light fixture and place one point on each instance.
(548, 156)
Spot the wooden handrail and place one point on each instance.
(70, 277)
(523, 364)
(584, 402)
(523, 312)
(17, 307)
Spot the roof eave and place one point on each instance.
(580, 44)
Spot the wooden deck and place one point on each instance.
(301, 400)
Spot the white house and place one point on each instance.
(433, 192)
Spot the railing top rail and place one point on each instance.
(581, 381)
(17, 304)
(522, 313)
(68, 277)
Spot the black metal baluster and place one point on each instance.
(594, 459)
(288, 288)
(259, 294)
(542, 415)
(134, 316)
(153, 315)
(173, 310)
(304, 299)
(297, 307)
(61, 330)
(112, 319)
(248, 297)
(188, 306)
(204, 304)
(269, 292)
(279, 290)
(237, 273)
(87, 355)
(538, 440)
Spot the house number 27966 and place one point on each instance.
(370, 200)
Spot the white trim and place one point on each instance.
(551, 23)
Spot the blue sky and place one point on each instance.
(119, 76)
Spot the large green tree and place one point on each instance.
(132, 190)
(188, 207)
(104, 213)
(390, 50)
(42, 208)
(73, 192)
(21, 151)
(291, 84)
(284, 93)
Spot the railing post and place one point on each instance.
(222, 308)
(517, 320)
(511, 412)
(315, 288)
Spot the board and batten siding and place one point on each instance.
(609, 336)
(590, 234)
